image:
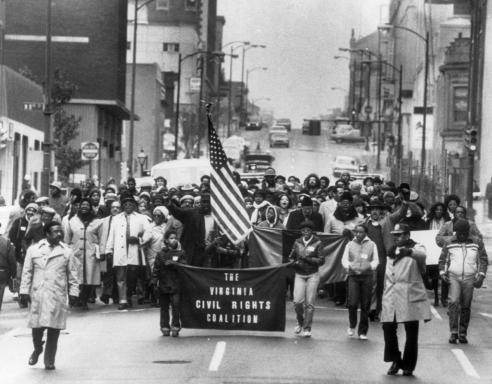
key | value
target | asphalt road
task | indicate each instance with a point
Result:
(104, 345)
(308, 154)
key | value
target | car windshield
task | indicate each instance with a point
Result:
(345, 162)
(279, 136)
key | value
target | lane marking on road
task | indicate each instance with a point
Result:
(217, 356)
(465, 363)
(435, 313)
(485, 314)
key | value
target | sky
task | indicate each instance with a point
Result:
(301, 36)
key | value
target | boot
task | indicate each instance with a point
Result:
(33, 360)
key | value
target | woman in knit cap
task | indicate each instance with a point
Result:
(83, 236)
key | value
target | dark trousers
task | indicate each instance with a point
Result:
(127, 279)
(4, 280)
(341, 292)
(109, 280)
(85, 292)
(359, 292)
(170, 300)
(490, 208)
(444, 291)
(51, 343)
(392, 352)
(2, 290)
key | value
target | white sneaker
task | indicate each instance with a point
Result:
(297, 329)
(363, 337)
(306, 333)
(350, 332)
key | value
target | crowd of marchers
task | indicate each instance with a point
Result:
(121, 243)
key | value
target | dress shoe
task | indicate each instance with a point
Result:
(104, 299)
(91, 300)
(407, 372)
(165, 331)
(453, 338)
(33, 359)
(122, 306)
(462, 339)
(395, 367)
(49, 367)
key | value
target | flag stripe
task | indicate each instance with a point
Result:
(226, 225)
(231, 214)
(241, 214)
(230, 184)
(228, 208)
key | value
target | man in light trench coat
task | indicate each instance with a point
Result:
(404, 300)
(49, 273)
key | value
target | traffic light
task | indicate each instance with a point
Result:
(471, 139)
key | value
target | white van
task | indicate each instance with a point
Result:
(180, 172)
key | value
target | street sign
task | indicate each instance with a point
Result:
(90, 150)
(195, 83)
(32, 106)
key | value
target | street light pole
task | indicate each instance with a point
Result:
(132, 99)
(424, 117)
(248, 71)
(180, 60)
(132, 96)
(176, 121)
(426, 75)
(47, 108)
(400, 101)
(241, 113)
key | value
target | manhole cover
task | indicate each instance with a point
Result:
(171, 362)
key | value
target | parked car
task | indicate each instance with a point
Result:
(284, 122)
(257, 162)
(345, 164)
(347, 134)
(279, 138)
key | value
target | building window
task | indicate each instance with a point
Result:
(170, 47)
(460, 104)
(36, 145)
(128, 45)
(191, 5)
(162, 5)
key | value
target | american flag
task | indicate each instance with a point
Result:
(228, 209)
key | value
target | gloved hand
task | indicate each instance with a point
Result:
(133, 240)
(102, 257)
(444, 278)
(405, 252)
(24, 299)
(478, 281)
(11, 285)
(72, 300)
(348, 234)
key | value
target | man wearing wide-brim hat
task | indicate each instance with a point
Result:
(129, 231)
(404, 300)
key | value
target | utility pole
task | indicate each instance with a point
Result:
(47, 107)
